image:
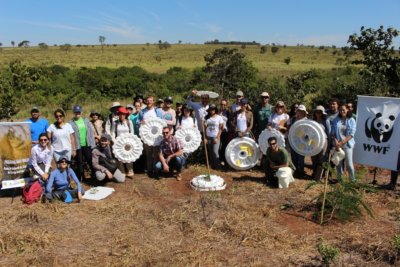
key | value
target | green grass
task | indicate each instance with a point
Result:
(187, 56)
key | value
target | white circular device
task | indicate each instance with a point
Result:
(209, 93)
(190, 137)
(242, 153)
(127, 148)
(266, 134)
(206, 183)
(307, 137)
(151, 131)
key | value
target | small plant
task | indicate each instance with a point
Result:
(329, 253)
(287, 60)
(396, 242)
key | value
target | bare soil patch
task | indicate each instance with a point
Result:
(149, 222)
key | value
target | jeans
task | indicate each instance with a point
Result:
(176, 163)
(349, 163)
(298, 161)
(84, 153)
(213, 154)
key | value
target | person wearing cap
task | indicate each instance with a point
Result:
(200, 108)
(214, 125)
(59, 184)
(97, 125)
(319, 115)
(279, 118)
(61, 135)
(84, 141)
(342, 133)
(123, 126)
(236, 106)
(112, 117)
(242, 119)
(150, 152)
(37, 125)
(104, 162)
(130, 108)
(262, 113)
(171, 154)
(168, 113)
(298, 160)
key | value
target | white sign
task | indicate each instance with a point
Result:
(378, 129)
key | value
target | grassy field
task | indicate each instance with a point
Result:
(153, 59)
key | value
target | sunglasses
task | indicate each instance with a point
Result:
(165, 133)
(272, 144)
(58, 116)
(280, 106)
(265, 97)
(64, 162)
(44, 140)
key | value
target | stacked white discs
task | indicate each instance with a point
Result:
(190, 137)
(265, 135)
(127, 148)
(242, 153)
(307, 137)
(205, 183)
(151, 131)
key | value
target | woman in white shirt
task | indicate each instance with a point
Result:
(279, 119)
(62, 137)
(120, 127)
(214, 124)
(41, 156)
(187, 119)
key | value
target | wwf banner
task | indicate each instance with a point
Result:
(378, 130)
(15, 149)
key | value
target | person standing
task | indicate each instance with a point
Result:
(97, 125)
(171, 154)
(151, 152)
(215, 124)
(225, 115)
(168, 113)
(319, 115)
(236, 106)
(242, 119)
(262, 113)
(62, 137)
(298, 160)
(85, 141)
(123, 126)
(200, 108)
(343, 130)
(38, 125)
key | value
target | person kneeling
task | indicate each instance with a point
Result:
(278, 167)
(104, 163)
(59, 184)
(171, 154)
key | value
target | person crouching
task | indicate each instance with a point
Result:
(171, 154)
(59, 184)
(104, 163)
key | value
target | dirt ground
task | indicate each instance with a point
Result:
(149, 222)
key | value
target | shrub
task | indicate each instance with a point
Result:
(329, 253)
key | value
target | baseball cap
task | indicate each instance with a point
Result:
(34, 110)
(105, 136)
(77, 108)
(239, 93)
(168, 99)
(244, 101)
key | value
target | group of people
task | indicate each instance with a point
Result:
(89, 140)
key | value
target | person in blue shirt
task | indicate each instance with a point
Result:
(59, 184)
(38, 125)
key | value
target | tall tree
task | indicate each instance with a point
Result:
(24, 43)
(13, 43)
(381, 64)
(229, 71)
(102, 40)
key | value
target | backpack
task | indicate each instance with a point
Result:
(32, 193)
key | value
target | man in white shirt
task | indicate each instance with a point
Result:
(200, 108)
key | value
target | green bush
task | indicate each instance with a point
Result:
(329, 253)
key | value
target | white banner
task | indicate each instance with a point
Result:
(377, 135)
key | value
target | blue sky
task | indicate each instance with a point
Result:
(316, 22)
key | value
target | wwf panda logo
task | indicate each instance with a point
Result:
(380, 128)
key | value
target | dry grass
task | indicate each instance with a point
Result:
(148, 222)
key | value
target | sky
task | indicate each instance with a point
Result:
(290, 22)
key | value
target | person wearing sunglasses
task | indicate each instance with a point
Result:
(40, 160)
(61, 135)
(59, 185)
(276, 158)
(171, 154)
